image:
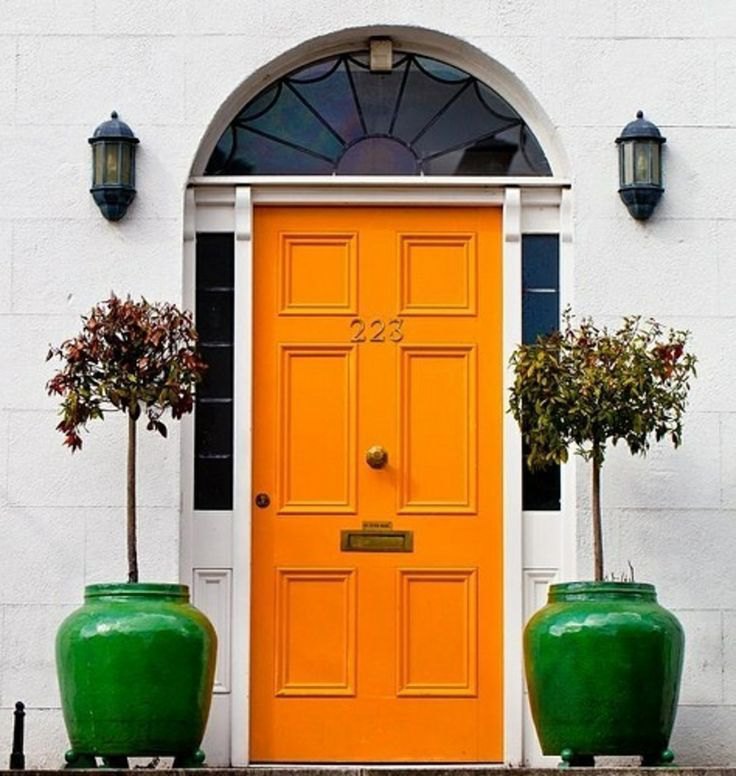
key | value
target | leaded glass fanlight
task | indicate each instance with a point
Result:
(424, 117)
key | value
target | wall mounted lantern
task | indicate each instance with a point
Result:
(113, 167)
(640, 166)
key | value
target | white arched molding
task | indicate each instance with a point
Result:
(429, 43)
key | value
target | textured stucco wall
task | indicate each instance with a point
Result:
(167, 66)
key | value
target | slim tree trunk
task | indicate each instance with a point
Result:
(597, 530)
(132, 548)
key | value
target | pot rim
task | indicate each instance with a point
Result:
(137, 589)
(569, 590)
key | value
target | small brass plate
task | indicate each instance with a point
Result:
(377, 525)
(377, 541)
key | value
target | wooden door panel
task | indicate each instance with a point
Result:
(438, 626)
(317, 422)
(318, 274)
(438, 458)
(438, 274)
(315, 626)
(377, 327)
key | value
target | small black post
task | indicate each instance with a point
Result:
(17, 758)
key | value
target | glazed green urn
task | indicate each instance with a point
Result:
(603, 663)
(136, 667)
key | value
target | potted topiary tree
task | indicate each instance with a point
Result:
(136, 662)
(603, 659)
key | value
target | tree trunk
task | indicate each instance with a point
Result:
(597, 530)
(132, 542)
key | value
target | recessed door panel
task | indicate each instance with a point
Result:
(438, 274)
(318, 274)
(377, 556)
(438, 626)
(317, 429)
(438, 429)
(315, 613)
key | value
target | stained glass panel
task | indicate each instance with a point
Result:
(372, 155)
(378, 95)
(258, 155)
(335, 116)
(335, 102)
(445, 132)
(424, 99)
(291, 122)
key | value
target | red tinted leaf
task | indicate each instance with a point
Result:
(73, 441)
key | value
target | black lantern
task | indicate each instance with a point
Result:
(113, 167)
(640, 166)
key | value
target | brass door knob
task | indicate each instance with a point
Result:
(376, 457)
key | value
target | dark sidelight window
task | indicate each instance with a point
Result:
(540, 258)
(337, 117)
(213, 419)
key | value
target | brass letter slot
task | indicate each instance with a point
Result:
(377, 541)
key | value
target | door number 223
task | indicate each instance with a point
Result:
(377, 330)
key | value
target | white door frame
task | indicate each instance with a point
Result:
(216, 546)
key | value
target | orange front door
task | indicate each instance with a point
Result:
(377, 590)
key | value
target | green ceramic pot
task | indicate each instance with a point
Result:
(603, 664)
(136, 666)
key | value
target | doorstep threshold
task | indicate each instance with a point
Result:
(455, 769)
(452, 770)
(384, 767)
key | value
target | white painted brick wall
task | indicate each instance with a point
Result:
(702, 683)
(167, 66)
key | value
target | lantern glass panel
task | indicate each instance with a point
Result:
(627, 164)
(98, 156)
(112, 163)
(126, 153)
(656, 166)
(642, 161)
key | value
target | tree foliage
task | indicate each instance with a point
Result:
(130, 357)
(585, 387)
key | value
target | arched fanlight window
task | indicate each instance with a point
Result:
(336, 116)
